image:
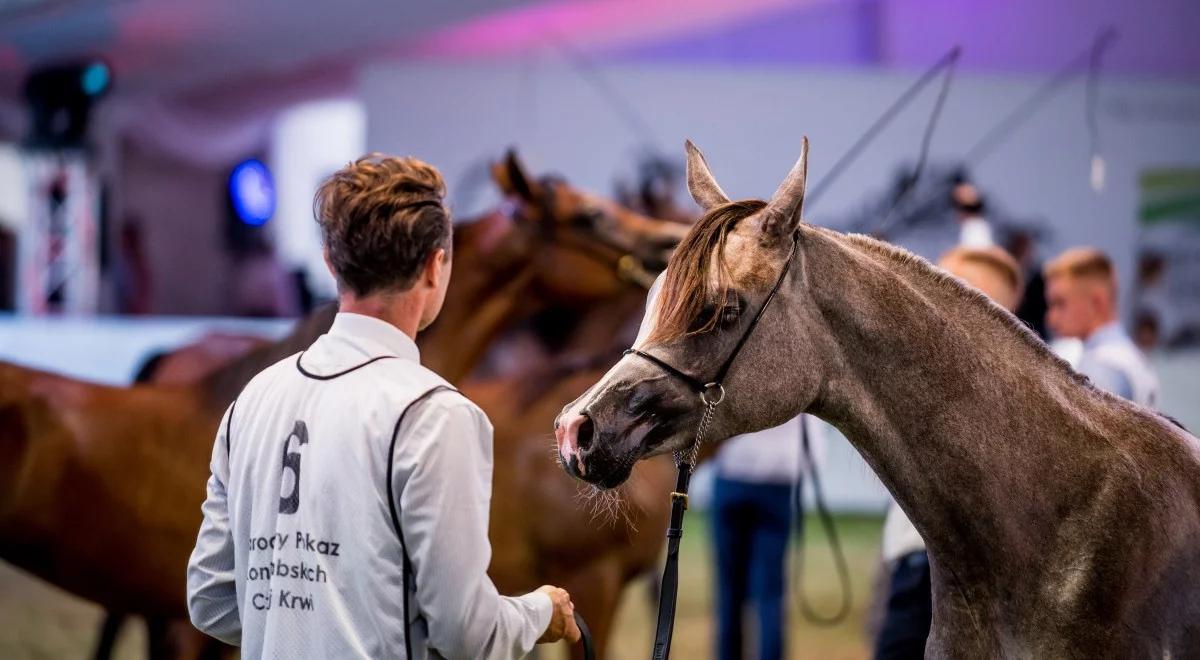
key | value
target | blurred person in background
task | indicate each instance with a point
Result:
(1081, 296)
(134, 282)
(1157, 319)
(974, 231)
(262, 287)
(755, 498)
(909, 606)
(1032, 308)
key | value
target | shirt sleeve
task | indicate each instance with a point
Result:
(444, 509)
(211, 590)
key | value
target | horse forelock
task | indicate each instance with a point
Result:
(698, 272)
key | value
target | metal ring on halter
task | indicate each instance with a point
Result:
(720, 391)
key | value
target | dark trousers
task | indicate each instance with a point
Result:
(750, 523)
(909, 611)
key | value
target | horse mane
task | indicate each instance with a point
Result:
(684, 291)
(223, 385)
(924, 271)
(686, 284)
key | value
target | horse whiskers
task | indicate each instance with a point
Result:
(612, 506)
(609, 506)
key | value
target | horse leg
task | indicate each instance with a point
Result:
(109, 629)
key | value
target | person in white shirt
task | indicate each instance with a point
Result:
(1081, 298)
(909, 608)
(974, 229)
(347, 509)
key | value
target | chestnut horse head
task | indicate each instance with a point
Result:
(591, 247)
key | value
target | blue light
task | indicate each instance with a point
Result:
(252, 191)
(96, 78)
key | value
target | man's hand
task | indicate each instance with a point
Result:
(562, 622)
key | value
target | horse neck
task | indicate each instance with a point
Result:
(974, 428)
(487, 293)
(224, 384)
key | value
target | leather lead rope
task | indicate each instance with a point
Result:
(685, 463)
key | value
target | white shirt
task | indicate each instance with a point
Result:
(975, 232)
(769, 456)
(1114, 363)
(899, 536)
(298, 557)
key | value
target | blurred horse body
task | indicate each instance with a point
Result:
(71, 514)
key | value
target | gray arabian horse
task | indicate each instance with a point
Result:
(1061, 522)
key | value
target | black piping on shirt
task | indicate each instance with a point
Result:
(309, 374)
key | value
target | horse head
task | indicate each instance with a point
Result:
(588, 248)
(731, 309)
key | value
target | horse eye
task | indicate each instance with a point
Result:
(703, 319)
(730, 313)
(732, 308)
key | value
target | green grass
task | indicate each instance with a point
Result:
(43, 622)
(695, 629)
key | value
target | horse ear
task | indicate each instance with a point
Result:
(523, 185)
(783, 212)
(700, 180)
(509, 175)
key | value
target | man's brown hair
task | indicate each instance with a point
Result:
(381, 217)
(1084, 263)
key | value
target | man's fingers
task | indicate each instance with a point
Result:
(572, 632)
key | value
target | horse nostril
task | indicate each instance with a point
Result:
(583, 437)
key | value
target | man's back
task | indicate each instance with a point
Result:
(317, 472)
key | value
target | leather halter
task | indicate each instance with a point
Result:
(711, 395)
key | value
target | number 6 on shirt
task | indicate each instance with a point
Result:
(289, 502)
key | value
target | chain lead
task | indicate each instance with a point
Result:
(694, 450)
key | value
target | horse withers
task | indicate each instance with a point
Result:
(1061, 522)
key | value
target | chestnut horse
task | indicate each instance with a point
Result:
(1061, 521)
(67, 448)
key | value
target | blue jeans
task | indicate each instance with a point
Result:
(750, 523)
(909, 610)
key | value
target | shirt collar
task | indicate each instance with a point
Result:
(358, 327)
(1105, 334)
